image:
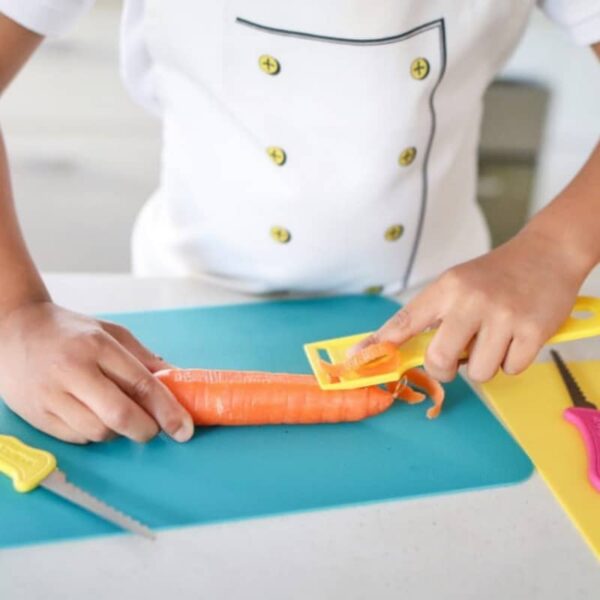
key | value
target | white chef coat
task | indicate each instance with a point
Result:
(316, 145)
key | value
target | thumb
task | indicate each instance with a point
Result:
(417, 315)
(151, 361)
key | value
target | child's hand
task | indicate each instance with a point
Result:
(503, 306)
(84, 380)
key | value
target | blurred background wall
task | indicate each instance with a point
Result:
(84, 157)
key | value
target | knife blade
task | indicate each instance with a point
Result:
(31, 467)
(586, 418)
(577, 396)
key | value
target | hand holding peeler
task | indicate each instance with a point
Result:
(412, 352)
(585, 416)
(29, 468)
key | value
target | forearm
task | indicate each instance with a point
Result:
(20, 281)
(572, 219)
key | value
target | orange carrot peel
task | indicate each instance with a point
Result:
(432, 388)
(401, 391)
(381, 358)
(375, 359)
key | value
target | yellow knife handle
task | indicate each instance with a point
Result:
(26, 466)
(584, 325)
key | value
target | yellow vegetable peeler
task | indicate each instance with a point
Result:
(584, 322)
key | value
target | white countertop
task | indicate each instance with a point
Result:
(511, 542)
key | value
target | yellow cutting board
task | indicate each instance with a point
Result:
(531, 406)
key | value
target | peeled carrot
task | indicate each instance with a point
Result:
(216, 397)
(257, 398)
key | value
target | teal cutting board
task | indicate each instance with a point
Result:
(239, 473)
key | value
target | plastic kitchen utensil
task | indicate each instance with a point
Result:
(583, 322)
(532, 405)
(585, 416)
(29, 468)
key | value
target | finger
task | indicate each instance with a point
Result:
(53, 425)
(151, 361)
(416, 316)
(112, 405)
(80, 418)
(138, 383)
(521, 353)
(451, 340)
(488, 351)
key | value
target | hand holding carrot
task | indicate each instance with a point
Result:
(84, 380)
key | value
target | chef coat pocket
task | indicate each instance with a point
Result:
(279, 78)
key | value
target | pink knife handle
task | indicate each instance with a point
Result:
(587, 420)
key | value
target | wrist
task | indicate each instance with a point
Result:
(26, 295)
(572, 241)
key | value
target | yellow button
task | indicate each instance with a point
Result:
(269, 64)
(407, 156)
(281, 235)
(419, 68)
(374, 290)
(394, 233)
(277, 155)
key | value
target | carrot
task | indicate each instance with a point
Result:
(373, 360)
(256, 398)
(431, 387)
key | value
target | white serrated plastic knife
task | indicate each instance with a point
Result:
(29, 468)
